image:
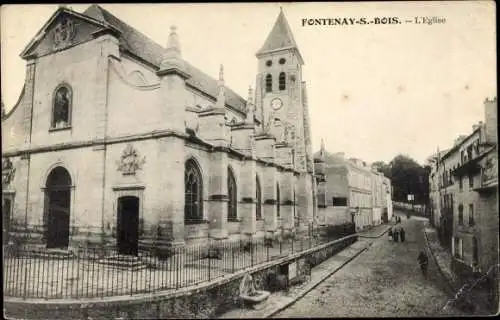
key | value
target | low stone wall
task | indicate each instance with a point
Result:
(204, 301)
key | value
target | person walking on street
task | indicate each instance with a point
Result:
(402, 234)
(424, 262)
(395, 235)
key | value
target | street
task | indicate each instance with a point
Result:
(384, 281)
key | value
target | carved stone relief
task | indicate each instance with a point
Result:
(130, 161)
(8, 171)
(64, 33)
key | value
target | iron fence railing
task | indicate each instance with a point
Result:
(32, 273)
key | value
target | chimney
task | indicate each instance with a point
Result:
(490, 116)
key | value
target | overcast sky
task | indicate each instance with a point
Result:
(374, 90)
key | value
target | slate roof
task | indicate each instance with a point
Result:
(280, 36)
(143, 47)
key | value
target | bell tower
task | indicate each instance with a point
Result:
(280, 90)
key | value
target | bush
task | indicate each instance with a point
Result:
(339, 231)
(163, 253)
(277, 282)
(214, 253)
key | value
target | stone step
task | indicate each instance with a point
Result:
(123, 262)
(59, 254)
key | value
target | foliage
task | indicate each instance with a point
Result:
(338, 231)
(276, 281)
(407, 177)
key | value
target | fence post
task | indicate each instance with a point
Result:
(209, 261)
(176, 263)
(25, 281)
(267, 249)
(251, 253)
(131, 281)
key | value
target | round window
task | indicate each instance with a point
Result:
(269, 63)
(282, 61)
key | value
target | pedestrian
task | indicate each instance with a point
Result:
(402, 234)
(423, 262)
(395, 235)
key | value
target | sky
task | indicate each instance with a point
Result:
(374, 91)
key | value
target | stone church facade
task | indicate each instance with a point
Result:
(118, 140)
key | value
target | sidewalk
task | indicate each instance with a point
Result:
(280, 300)
(443, 260)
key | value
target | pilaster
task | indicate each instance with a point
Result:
(170, 190)
(305, 200)
(270, 201)
(29, 90)
(218, 195)
(287, 201)
(248, 199)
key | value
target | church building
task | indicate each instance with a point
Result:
(118, 140)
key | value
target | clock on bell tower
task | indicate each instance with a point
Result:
(279, 87)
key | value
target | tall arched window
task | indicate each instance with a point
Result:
(258, 197)
(277, 200)
(269, 83)
(193, 193)
(232, 205)
(61, 109)
(282, 81)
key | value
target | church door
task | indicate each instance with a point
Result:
(57, 208)
(128, 225)
(6, 215)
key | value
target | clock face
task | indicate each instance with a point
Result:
(276, 104)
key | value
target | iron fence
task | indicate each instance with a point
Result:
(32, 273)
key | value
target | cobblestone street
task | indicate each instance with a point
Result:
(384, 281)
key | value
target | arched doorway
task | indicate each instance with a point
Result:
(128, 225)
(57, 208)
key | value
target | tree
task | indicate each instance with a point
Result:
(407, 177)
(381, 166)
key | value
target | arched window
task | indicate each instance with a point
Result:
(258, 197)
(232, 205)
(193, 193)
(282, 81)
(269, 83)
(61, 109)
(277, 200)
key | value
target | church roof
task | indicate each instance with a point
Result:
(146, 49)
(280, 37)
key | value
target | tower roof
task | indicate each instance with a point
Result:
(280, 37)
